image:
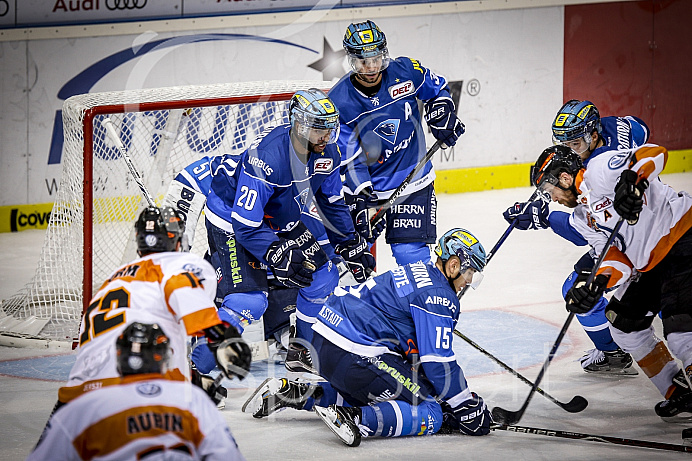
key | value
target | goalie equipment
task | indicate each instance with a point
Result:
(158, 229)
(142, 348)
(342, 421)
(613, 363)
(365, 41)
(276, 394)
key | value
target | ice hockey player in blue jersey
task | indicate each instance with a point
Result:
(382, 139)
(386, 347)
(579, 126)
(253, 217)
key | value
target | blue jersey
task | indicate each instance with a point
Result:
(197, 175)
(409, 310)
(618, 133)
(382, 137)
(270, 189)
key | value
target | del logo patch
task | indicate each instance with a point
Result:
(401, 89)
(323, 165)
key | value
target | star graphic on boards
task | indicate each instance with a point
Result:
(331, 62)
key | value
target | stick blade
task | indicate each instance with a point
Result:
(502, 416)
(577, 404)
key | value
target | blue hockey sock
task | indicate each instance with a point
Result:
(396, 418)
(242, 309)
(326, 397)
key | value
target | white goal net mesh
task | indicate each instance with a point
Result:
(90, 232)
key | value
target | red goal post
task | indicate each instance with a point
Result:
(90, 232)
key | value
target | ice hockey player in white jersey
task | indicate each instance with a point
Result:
(385, 347)
(579, 126)
(165, 286)
(147, 415)
(650, 261)
(382, 139)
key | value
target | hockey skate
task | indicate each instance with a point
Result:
(678, 408)
(275, 394)
(342, 421)
(612, 363)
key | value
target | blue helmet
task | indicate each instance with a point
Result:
(364, 40)
(574, 120)
(462, 243)
(313, 109)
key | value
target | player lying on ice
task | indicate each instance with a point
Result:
(385, 350)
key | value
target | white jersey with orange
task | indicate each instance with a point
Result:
(146, 417)
(666, 215)
(174, 290)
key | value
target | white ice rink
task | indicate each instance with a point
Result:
(516, 314)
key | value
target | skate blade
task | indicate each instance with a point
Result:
(683, 417)
(631, 371)
(304, 377)
(254, 403)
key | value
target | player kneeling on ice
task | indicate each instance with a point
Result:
(148, 414)
(385, 348)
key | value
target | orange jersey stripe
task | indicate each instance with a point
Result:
(666, 243)
(142, 271)
(198, 321)
(68, 393)
(134, 423)
(656, 360)
(645, 158)
(184, 279)
(615, 255)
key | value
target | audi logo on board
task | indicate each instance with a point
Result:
(125, 4)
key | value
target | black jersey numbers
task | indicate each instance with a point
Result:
(97, 319)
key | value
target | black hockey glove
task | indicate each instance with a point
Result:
(359, 205)
(213, 389)
(580, 298)
(289, 264)
(232, 353)
(533, 215)
(443, 121)
(360, 261)
(629, 199)
(472, 417)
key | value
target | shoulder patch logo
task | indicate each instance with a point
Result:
(388, 129)
(401, 89)
(616, 161)
(148, 389)
(323, 165)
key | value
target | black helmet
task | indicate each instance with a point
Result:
(142, 348)
(553, 161)
(158, 229)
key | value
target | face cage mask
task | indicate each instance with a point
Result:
(357, 63)
(472, 277)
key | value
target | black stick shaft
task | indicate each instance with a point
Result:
(379, 214)
(592, 438)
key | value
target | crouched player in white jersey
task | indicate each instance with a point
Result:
(163, 286)
(145, 416)
(651, 259)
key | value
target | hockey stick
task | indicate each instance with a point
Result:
(503, 416)
(592, 438)
(577, 404)
(379, 214)
(502, 239)
(110, 129)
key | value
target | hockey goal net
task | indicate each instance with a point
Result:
(90, 232)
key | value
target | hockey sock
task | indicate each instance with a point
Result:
(241, 309)
(396, 418)
(323, 397)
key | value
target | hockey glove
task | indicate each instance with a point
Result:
(232, 353)
(443, 121)
(213, 389)
(580, 298)
(629, 199)
(471, 417)
(359, 206)
(355, 253)
(289, 264)
(533, 215)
